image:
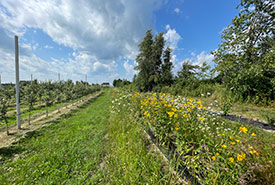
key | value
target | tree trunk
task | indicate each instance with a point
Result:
(29, 117)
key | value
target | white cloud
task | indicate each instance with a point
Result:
(129, 68)
(35, 46)
(177, 10)
(251, 8)
(172, 37)
(200, 58)
(203, 57)
(107, 30)
(75, 69)
(48, 47)
(99, 31)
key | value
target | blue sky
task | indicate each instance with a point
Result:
(99, 38)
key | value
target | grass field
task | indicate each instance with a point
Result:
(68, 151)
(88, 146)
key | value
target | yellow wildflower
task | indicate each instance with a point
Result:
(171, 114)
(193, 106)
(230, 137)
(253, 134)
(217, 154)
(169, 105)
(232, 143)
(201, 118)
(240, 157)
(176, 115)
(189, 110)
(243, 129)
(173, 109)
(231, 159)
(238, 141)
(222, 134)
(224, 146)
(177, 128)
(213, 157)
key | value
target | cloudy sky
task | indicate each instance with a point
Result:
(99, 38)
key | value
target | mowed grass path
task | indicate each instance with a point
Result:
(69, 151)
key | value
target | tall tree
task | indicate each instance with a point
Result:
(166, 68)
(143, 60)
(149, 61)
(158, 46)
(240, 57)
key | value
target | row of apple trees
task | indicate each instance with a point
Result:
(43, 94)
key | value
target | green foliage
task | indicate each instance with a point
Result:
(193, 80)
(153, 63)
(120, 83)
(144, 61)
(226, 105)
(4, 103)
(30, 96)
(270, 119)
(245, 58)
(166, 68)
(34, 97)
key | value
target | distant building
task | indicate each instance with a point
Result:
(106, 84)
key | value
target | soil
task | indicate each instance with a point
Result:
(16, 134)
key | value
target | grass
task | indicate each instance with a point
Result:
(90, 146)
(131, 159)
(68, 151)
(244, 109)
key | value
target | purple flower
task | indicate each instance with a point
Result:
(242, 181)
(203, 146)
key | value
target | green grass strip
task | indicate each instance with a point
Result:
(69, 151)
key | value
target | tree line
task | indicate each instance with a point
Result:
(44, 93)
(245, 59)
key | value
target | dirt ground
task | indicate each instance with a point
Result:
(39, 122)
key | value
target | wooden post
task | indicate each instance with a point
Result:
(17, 81)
